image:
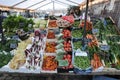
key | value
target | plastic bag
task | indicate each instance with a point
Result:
(60, 41)
(59, 36)
(59, 46)
(60, 51)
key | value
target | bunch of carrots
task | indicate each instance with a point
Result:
(88, 25)
(49, 63)
(96, 62)
(94, 41)
(50, 47)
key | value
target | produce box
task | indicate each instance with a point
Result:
(52, 24)
(49, 64)
(81, 62)
(76, 24)
(65, 63)
(50, 48)
(66, 33)
(77, 33)
(76, 44)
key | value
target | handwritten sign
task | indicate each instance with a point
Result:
(15, 37)
(105, 47)
(21, 25)
(80, 53)
(95, 31)
(87, 40)
(13, 45)
(30, 25)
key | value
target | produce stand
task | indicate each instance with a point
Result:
(62, 70)
(64, 48)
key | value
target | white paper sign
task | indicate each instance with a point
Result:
(95, 31)
(80, 53)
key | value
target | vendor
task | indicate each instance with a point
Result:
(1, 29)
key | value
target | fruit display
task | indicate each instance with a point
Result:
(51, 35)
(77, 33)
(66, 33)
(49, 63)
(52, 24)
(50, 47)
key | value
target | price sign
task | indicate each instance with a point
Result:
(13, 45)
(87, 40)
(105, 47)
(80, 53)
(95, 31)
(15, 37)
(21, 25)
(30, 25)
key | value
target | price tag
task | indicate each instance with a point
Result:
(30, 25)
(13, 45)
(87, 40)
(80, 53)
(21, 25)
(95, 31)
(15, 37)
(105, 47)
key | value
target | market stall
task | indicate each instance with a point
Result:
(63, 46)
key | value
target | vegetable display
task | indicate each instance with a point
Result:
(88, 25)
(82, 62)
(67, 45)
(5, 58)
(68, 57)
(77, 45)
(50, 47)
(76, 33)
(96, 62)
(49, 63)
(66, 33)
(52, 24)
(51, 35)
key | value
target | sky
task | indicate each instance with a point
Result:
(44, 5)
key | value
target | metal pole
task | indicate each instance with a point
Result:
(43, 5)
(36, 4)
(84, 32)
(18, 3)
(53, 8)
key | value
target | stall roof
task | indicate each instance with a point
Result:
(40, 4)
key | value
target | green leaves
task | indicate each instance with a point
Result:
(12, 23)
(5, 58)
